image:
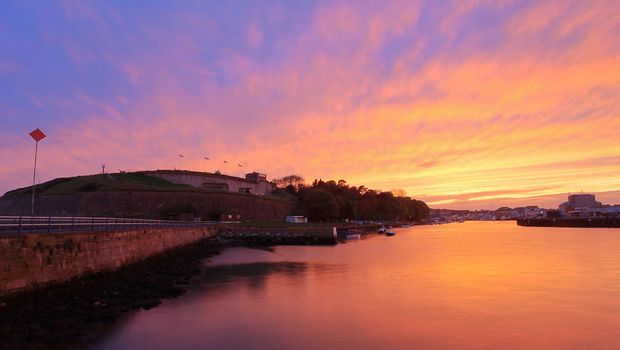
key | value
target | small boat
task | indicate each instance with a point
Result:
(381, 230)
(389, 233)
(354, 234)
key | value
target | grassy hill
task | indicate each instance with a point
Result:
(102, 182)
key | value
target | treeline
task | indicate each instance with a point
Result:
(331, 201)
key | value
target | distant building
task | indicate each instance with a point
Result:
(578, 205)
(253, 183)
(532, 211)
(586, 206)
(295, 219)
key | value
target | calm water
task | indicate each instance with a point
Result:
(460, 286)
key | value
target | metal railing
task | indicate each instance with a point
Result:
(65, 224)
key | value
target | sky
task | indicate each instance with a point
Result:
(464, 104)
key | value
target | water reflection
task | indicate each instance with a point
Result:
(252, 275)
(465, 286)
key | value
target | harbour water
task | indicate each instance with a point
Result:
(476, 285)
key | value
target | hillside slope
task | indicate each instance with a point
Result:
(135, 195)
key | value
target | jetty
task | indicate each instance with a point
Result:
(38, 251)
(570, 222)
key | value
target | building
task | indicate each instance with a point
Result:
(579, 205)
(296, 219)
(253, 183)
(585, 206)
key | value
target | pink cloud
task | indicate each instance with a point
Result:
(513, 122)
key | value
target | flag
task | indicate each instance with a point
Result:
(37, 134)
(182, 156)
(206, 158)
(226, 162)
(240, 166)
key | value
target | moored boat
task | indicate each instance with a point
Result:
(354, 234)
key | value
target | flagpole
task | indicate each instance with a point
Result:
(34, 174)
(37, 135)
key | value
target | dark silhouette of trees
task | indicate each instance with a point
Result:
(331, 200)
(320, 205)
(290, 180)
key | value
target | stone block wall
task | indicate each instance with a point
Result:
(28, 261)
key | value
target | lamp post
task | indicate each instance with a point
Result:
(37, 135)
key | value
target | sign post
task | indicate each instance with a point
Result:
(37, 135)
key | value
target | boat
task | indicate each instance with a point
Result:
(381, 230)
(389, 233)
(354, 234)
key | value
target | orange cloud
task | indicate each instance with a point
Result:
(524, 108)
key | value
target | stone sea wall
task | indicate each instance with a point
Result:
(32, 260)
(29, 261)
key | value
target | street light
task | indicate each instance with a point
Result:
(37, 135)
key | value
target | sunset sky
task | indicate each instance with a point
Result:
(463, 104)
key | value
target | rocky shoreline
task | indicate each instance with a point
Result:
(66, 315)
(61, 316)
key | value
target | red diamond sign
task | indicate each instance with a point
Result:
(37, 134)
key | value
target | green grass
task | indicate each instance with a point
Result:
(141, 179)
(102, 182)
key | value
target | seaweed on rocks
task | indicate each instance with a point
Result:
(60, 316)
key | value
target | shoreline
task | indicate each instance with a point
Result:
(67, 314)
(64, 315)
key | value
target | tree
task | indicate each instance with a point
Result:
(295, 181)
(321, 205)
(331, 200)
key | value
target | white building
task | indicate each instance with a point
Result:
(586, 206)
(296, 219)
(253, 183)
